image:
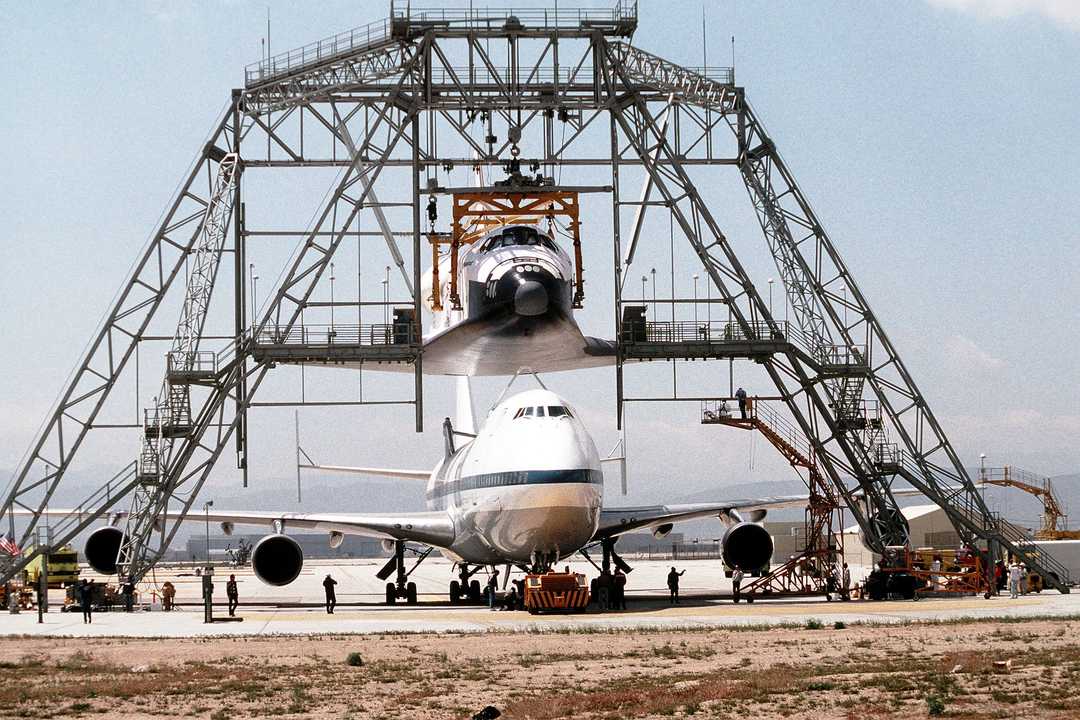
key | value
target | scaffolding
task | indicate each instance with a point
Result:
(394, 107)
(818, 568)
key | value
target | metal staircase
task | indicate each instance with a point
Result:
(816, 569)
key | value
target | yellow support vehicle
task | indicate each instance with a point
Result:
(556, 592)
(63, 568)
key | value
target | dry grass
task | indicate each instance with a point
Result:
(858, 672)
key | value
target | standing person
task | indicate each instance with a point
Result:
(673, 585)
(935, 568)
(168, 592)
(331, 596)
(845, 582)
(492, 588)
(620, 589)
(736, 582)
(740, 395)
(128, 591)
(233, 595)
(1014, 580)
(85, 600)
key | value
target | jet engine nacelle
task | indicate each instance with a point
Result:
(747, 546)
(102, 549)
(662, 531)
(277, 559)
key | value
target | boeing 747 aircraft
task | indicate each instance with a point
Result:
(525, 489)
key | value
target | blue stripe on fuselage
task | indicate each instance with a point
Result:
(516, 477)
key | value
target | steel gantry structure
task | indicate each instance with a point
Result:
(424, 92)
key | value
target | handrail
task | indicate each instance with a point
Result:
(382, 31)
(376, 334)
(343, 43)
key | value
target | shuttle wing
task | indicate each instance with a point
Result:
(431, 528)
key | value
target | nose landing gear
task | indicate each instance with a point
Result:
(463, 590)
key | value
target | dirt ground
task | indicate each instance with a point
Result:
(818, 671)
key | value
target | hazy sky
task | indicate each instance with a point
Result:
(937, 142)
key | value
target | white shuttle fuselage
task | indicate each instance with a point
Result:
(516, 309)
(529, 483)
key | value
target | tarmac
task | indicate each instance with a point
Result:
(297, 608)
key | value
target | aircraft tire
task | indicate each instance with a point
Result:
(391, 594)
(475, 595)
(410, 593)
(455, 592)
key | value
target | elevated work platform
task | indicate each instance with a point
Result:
(643, 339)
(338, 344)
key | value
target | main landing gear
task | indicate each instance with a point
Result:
(401, 588)
(463, 590)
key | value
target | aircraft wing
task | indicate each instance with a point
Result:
(431, 528)
(616, 521)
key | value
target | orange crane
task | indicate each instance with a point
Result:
(1053, 516)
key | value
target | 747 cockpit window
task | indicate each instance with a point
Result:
(549, 410)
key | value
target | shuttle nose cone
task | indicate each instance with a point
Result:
(530, 298)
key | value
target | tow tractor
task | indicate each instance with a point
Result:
(556, 592)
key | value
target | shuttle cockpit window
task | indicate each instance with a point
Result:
(520, 236)
(558, 411)
(525, 412)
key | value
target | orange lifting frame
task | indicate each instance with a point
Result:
(476, 213)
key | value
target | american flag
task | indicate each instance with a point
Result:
(8, 546)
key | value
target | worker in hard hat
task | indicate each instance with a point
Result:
(1015, 573)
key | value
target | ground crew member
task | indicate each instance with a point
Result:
(520, 585)
(736, 581)
(604, 589)
(740, 395)
(233, 595)
(620, 589)
(511, 599)
(492, 588)
(673, 585)
(128, 591)
(1015, 572)
(85, 595)
(168, 592)
(331, 596)
(845, 582)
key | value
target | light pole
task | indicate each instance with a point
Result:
(770, 296)
(643, 281)
(251, 282)
(652, 274)
(332, 278)
(982, 467)
(695, 299)
(206, 509)
(386, 297)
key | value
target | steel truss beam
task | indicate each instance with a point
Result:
(823, 295)
(114, 343)
(430, 96)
